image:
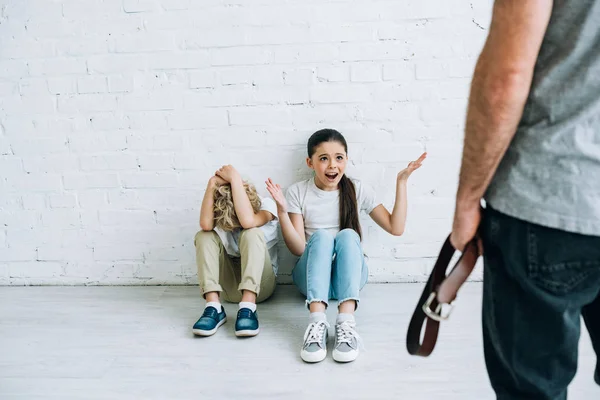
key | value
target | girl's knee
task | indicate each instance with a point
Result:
(347, 235)
(321, 235)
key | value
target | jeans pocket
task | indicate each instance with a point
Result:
(562, 262)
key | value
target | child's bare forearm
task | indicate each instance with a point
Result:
(293, 240)
(207, 216)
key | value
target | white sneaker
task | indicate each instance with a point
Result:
(347, 341)
(314, 348)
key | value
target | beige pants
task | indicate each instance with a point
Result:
(219, 272)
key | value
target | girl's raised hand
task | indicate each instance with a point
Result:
(277, 195)
(412, 167)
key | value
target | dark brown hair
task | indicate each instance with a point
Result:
(348, 205)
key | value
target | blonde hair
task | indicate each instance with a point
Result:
(224, 211)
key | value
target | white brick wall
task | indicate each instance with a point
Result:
(115, 112)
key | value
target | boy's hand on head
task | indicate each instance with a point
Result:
(228, 173)
(277, 194)
(216, 181)
(412, 167)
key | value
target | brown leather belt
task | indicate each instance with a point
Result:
(435, 302)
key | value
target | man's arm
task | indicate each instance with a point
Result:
(499, 90)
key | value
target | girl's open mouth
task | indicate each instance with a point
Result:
(331, 177)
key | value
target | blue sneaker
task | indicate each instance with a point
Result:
(246, 323)
(209, 322)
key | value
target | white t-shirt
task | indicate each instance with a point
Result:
(321, 209)
(231, 239)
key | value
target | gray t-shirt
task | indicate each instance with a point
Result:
(550, 174)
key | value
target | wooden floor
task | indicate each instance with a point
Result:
(135, 343)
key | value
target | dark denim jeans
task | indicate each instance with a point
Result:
(538, 282)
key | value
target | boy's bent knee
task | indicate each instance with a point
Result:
(252, 234)
(205, 236)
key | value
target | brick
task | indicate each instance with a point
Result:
(339, 73)
(398, 71)
(202, 79)
(57, 66)
(13, 68)
(18, 219)
(65, 218)
(9, 89)
(81, 46)
(146, 180)
(92, 84)
(240, 56)
(92, 199)
(170, 142)
(178, 61)
(90, 181)
(306, 53)
(156, 162)
(210, 118)
(18, 253)
(29, 104)
(336, 93)
(62, 85)
(131, 218)
(365, 72)
(375, 51)
(108, 162)
(87, 102)
(152, 102)
(32, 269)
(63, 201)
(34, 201)
(145, 42)
(135, 6)
(116, 63)
(11, 165)
(35, 182)
(120, 84)
(68, 253)
(109, 141)
(298, 76)
(110, 121)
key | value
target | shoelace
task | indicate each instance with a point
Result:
(314, 332)
(345, 332)
(244, 313)
(210, 312)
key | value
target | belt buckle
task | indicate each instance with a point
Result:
(442, 311)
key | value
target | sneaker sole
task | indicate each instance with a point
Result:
(344, 357)
(199, 332)
(247, 333)
(313, 357)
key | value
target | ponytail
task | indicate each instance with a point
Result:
(348, 206)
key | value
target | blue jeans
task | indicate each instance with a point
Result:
(331, 267)
(538, 283)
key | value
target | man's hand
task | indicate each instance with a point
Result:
(466, 223)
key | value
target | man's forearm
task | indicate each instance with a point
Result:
(499, 91)
(495, 109)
